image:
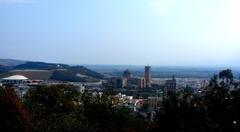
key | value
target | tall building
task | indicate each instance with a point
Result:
(127, 74)
(170, 86)
(148, 76)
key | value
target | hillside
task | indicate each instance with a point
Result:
(8, 64)
(68, 75)
(51, 71)
(4, 69)
(11, 62)
(40, 66)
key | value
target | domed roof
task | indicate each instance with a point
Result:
(16, 77)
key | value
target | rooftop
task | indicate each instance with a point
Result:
(15, 77)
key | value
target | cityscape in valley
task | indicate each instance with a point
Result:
(119, 66)
(40, 73)
(143, 95)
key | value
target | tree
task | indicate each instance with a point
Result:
(13, 114)
(217, 101)
(61, 108)
(226, 76)
(214, 80)
(54, 108)
(216, 110)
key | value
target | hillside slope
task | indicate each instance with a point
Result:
(51, 71)
(11, 62)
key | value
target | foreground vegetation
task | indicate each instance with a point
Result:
(61, 108)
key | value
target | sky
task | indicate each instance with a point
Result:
(132, 32)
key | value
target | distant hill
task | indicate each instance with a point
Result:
(68, 75)
(51, 71)
(8, 64)
(40, 66)
(85, 71)
(4, 69)
(11, 62)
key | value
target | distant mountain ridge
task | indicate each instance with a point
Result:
(40, 66)
(48, 71)
(4, 69)
(11, 62)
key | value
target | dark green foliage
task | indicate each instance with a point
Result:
(14, 117)
(60, 108)
(55, 108)
(214, 111)
(64, 75)
(226, 76)
(214, 81)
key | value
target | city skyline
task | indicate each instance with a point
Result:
(135, 32)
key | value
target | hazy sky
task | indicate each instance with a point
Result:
(155, 32)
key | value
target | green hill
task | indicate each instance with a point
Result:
(71, 76)
(51, 71)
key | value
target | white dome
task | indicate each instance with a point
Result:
(16, 77)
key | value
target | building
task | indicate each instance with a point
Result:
(170, 86)
(141, 83)
(123, 100)
(120, 82)
(18, 82)
(128, 81)
(136, 83)
(15, 79)
(127, 74)
(154, 102)
(117, 82)
(148, 76)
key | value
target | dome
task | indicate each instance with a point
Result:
(15, 77)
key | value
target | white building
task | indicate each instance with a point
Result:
(15, 79)
(18, 82)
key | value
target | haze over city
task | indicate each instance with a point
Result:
(135, 32)
(119, 65)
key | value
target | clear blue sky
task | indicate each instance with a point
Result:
(136, 32)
